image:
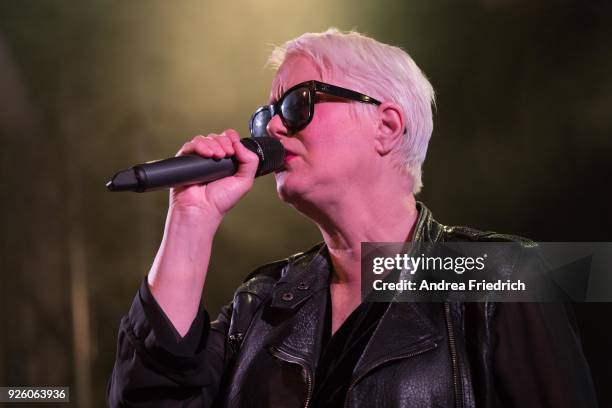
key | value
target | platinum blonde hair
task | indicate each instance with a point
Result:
(382, 71)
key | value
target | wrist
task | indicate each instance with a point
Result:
(193, 218)
(188, 237)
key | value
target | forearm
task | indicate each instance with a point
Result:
(178, 274)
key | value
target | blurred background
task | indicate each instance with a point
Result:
(522, 144)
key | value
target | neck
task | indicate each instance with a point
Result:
(345, 222)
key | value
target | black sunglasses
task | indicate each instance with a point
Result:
(296, 106)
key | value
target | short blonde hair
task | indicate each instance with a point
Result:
(382, 71)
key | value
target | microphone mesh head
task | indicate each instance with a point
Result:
(270, 151)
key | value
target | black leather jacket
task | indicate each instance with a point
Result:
(263, 348)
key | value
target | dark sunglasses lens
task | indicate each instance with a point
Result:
(296, 108)
(259, 122)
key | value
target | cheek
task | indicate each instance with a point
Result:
(336, 136)
(337, 153)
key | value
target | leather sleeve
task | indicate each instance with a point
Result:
(155, 367)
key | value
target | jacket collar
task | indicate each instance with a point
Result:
(427, 229)
(308, 272)
(304, 275)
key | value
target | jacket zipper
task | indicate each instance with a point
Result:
(430, 347)
(283, 355)
(454, 359)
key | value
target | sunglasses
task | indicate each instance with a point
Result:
(296, 106)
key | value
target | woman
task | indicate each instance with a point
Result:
(354, 116)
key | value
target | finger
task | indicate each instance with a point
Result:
(195, 145)
(203, 150)
(232, 134)
(187, 148)
(248, 161)
(226, 143)
(210, 144)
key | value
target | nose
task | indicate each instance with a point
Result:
(276, 127)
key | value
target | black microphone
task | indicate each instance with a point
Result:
(194, 169)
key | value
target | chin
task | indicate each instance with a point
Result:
(288, 188)
(286, 194)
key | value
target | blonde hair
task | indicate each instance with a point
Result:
(382, 71)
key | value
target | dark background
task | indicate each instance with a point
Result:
(521, 145)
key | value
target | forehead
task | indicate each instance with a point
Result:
(294, 70)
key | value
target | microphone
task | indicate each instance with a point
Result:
(194, 169)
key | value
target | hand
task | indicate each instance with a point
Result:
(218, 197)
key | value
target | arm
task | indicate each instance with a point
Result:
(168, 351)
(179, 271)
(157, 367)
(538, 359)
(537, 353)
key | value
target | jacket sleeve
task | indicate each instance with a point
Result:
(538, 359)
(155, 367)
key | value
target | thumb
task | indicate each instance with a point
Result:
(247, 160)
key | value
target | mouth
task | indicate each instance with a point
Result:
(289, 157)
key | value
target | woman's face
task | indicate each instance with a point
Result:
(328, 157)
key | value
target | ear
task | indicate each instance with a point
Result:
(391, 125)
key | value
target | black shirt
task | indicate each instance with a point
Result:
(341, 352)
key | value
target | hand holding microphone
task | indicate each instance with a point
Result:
(207, 177)
(178, 273)
(227, 163)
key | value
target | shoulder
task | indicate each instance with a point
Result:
(510, 249)
(429, 229)
(468, 234)
(508, 254)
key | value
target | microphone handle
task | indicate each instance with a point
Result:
(175, 172)
(195, 169)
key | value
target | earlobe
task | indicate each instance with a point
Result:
(391, 127)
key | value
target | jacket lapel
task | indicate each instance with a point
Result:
(403, 331)
(300, 299)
